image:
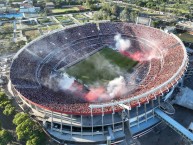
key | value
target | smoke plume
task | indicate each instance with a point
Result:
(116, 87)
(144, 53)
(122, 44)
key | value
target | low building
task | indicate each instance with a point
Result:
(16, 3)
(28, 1)
(27, 7)
(3, 10)
(2, 4)
(170, 29)
(29, 10)
(50, 5)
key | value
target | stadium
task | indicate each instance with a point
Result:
(98, 83)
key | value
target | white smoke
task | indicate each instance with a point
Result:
(152, 54)
(47, 81)
(121, 44)
(58, 82)
(147, 51)
(65, 82)
(116, 87)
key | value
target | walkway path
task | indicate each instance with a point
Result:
(54, 18)
(75, 20)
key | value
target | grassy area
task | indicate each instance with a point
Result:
(84, 20)
(31, 34)
(6, 43)
(118, 59)
(53, 27)
(178, 10)
(101, 67)
(79, 16)
(6, 35)
(65, 10)
(185, 37)
(8, 46)
(6, 28)
(63, 18)
(49, 28)
(26, 25)
(46, 21)
(68, 23)
(45, 29)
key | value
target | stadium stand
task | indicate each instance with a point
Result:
(34, 65)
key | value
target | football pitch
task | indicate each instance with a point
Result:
(101, 67)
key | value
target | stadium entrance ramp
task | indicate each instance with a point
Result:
(175, 125)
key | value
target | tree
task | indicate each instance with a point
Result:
(34, 2)
(19, 118)
(125, 14)
(141, 3)
(36, 139)
(106, 7)
(4, 103)
(133, 15)
(89, 4)
(156, 23)
(2, 96)
(163, 1)
(33, 141)
(27, 130)
(107, 12)
(188, 16)
(115, 10)
(21, 43)
(9, 109)
(98, 15)
(0, 125)
(5, 137)
(58, 3)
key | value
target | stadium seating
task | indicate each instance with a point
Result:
(33, 66)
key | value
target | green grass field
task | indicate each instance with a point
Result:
(65, 10)
(101, 67)
(185, 37)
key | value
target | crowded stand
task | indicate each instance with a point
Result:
(35, 63)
